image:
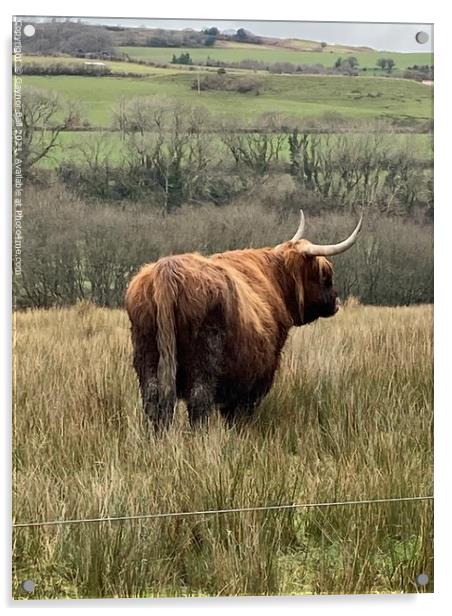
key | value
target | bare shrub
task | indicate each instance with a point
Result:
(255, 151)
(92, 172)
(229, 83)
(65, 68)
(80, 250)
(350, 169)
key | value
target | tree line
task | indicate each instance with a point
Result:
(169, 157)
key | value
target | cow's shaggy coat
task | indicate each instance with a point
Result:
(210, 330)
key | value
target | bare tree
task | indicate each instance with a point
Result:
(168, 147)
(44, 117)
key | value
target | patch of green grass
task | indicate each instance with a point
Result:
(272, 54)
(298, 96)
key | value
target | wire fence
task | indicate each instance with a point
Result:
(179, 514)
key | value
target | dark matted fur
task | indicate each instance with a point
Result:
(210, 330)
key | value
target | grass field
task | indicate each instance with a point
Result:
(295, 96)
(295, 44)
(271, 54)
(350, 417)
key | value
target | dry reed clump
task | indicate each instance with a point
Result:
(349, 417)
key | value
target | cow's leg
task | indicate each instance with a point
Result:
(150, 397)
(165, 411)
(145, 361)
(241, 405)
(236, 412)
(229, 413)
(205, 366)
(200, 402)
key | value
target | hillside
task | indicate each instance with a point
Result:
(238, 52)
(58, 34)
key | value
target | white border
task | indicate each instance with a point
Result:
(434, 11)
(328, 10)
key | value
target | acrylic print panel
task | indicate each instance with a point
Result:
(216, 422)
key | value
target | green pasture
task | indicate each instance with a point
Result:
(271, 54)
(296, 44)
(294, 96)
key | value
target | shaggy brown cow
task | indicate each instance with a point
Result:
(209, 330)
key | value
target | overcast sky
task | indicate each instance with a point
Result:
(379, 36)
(383, 36)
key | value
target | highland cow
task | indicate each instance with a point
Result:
(210, 330)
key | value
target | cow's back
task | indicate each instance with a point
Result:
(228, 313)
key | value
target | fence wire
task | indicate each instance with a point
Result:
(180, 514)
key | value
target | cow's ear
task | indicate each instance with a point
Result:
(323, 271)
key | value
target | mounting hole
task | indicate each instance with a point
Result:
(422, 37)
(29, 30)
(28, 586)
(422, 579)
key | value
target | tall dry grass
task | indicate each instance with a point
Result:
(350, 417)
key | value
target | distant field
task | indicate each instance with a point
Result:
(297, 44)
(296, 96)
(271, 54)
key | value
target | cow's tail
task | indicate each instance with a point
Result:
(165, 297)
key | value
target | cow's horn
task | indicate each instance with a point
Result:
(316, 250)
(299, 234)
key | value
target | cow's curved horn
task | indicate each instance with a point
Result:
(299, 234)
(316, 250)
